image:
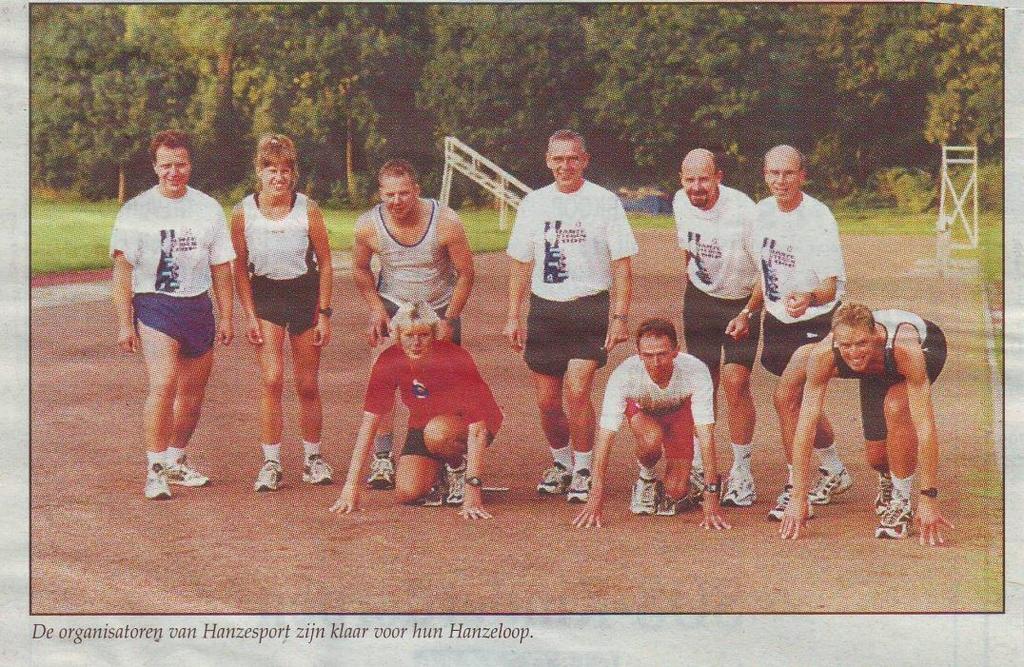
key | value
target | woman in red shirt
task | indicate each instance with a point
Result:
(452, 418)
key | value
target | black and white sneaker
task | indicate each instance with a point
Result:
(579, 487)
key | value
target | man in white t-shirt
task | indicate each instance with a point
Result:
(664, 395)
(802, 280)
(571, 242)
(714, 224)
(170, 246)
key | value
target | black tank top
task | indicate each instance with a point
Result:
(891, 320)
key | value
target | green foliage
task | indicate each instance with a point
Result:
(912, 190)
(860, 89)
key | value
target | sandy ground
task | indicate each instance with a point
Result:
(99, 547)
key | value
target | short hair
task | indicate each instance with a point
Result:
(169, 139)
(657, 326)
(410, 315)
(568, 135)
(854, 315)
(273, 149)
(801, 160)
(397, 169)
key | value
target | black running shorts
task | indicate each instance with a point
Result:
(782, 340)
(557, 331)
(705, 318)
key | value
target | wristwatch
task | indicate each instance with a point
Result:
(474, 481)
(624, 318)
(931, 492)
(327, 312)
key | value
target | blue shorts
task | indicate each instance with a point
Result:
(186, 319)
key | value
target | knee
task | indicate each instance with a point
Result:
(163, 388)
(677, 478)
(407, 494)
(550, 407)
(273, 382)
(308, 389)
(577, 396)
(736, 385)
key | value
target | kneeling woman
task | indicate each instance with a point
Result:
(452, 418)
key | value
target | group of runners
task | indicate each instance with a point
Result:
(571, 249)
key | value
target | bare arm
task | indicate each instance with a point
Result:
(590, 516)
(363, 250)
(910, 360)
(322, 249)
(241, 271)
(797, 303)
(348, 501)
(225, 301)
(127, 337)
(622, 296)
(820, 369)
(473, 503)
(518, 286)
(706, 436)
(453, 236)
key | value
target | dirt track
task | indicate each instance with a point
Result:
(99, 547)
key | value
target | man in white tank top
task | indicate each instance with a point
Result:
(424, 256)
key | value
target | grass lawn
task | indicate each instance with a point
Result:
(72, 236)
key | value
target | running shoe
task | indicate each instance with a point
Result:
(182, 474)
(739, 491)
(317, 471)
(646, 493)
(556, 480)
(269, 477)
(894, 523)
(579, 487)
(777, 512)
(156, 483)
(382, 473)
(456, 478)
(830, 485)
(884, 496)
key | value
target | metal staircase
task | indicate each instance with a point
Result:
(506, 188)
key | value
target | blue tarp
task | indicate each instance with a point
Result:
(649, 204)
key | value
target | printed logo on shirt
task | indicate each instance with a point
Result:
(419, 390)
(773, 257)
(167, 268)
(700, 253)
(554, 261)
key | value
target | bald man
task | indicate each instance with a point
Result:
(802, 279)
(714, 225)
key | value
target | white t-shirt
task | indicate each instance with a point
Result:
(718, 241)
(796, 251)
(630, 381)
(171, 243)
(571, 240)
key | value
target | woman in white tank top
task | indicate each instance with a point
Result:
(283, 273)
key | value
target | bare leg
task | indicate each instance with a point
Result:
(160, 352)
(445, 437)
(902, 439)
(415, 477)
(578, 382)
(649, 439)
(552, 417)
(271, 359)
(736, 383)
(188, 400)
(306, 361)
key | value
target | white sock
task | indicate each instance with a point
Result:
(563, 456)
(174, 454)
(311, 448)
(741, 457)
(581, 460)
(789, 467)
(698, 462)
(829, 457)
(155, 457)
(272, 452)
(901, 487)
(646, 473)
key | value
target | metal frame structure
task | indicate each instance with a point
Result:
(506, 188)
(952, 199)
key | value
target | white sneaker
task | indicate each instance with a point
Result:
(646, 493)
(884, 496)
(317, 471)
(182, 474)
(269, 477)
(695, 496)
(156, 483)
(556, 480)
(895, 521)
(739, 492)
(777, 512)
(829, 485)
(382, 473)
(579, 487)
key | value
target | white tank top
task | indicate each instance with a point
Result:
(419, 272)
(279, 249)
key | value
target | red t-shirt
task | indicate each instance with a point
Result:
(446, 381)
